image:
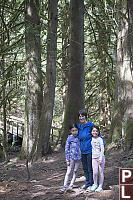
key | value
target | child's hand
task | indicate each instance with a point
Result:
(100, 162)
(68, 163)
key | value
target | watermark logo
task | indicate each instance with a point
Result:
(126, 183)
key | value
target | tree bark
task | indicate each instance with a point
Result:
(3, 83)
(34, 90)
(43, 146)
(75, 98)
(4, 112)
(122, 124)
(65, 52)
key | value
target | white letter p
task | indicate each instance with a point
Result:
(126, 174)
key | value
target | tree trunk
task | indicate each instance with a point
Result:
(4, 112)
(65, 52)
(43, 145)
(75, 98)
(122, 124)
(4, 81)
(34, 95)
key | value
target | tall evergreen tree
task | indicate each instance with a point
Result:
(75, 97)
(42, 146)
(11, 39)
(33, 101)
(122, 123)
(65, 28)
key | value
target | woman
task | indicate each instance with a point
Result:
(85, 137)
(86, 148)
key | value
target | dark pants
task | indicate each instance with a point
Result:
(87, 167)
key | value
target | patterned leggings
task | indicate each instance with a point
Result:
(96, 167)
(74, 165)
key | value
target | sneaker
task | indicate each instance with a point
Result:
(70, 187)
(88, 189)
(94, 187)
(64, 189)
(99, 189)
(84, 187)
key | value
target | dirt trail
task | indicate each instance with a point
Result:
(47, 179)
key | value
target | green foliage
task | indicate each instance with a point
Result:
(100, 37)
(11, 53)
(100, 50)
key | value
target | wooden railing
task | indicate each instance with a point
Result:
(15, 126)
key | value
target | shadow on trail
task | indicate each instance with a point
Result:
(47, 178)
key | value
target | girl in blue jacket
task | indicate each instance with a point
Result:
(73, 156)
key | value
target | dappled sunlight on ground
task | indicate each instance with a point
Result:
(47, 178)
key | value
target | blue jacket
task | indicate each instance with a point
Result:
(72, 148)
(85, 137)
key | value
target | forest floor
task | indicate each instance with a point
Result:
(47, 177)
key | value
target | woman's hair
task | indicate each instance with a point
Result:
(96, 128)
(82, 112)
(73, 126)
